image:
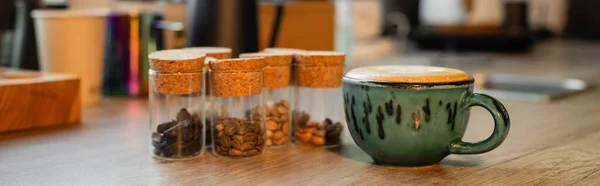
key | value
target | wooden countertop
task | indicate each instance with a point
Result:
(549, 144)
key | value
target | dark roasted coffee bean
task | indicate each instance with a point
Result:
(332, 141)
(337, 132)
(198, 129)
(191, 148)
(188, 135)
(173, 131)
(164, 126)
(330, 128)
(327, 122)
(300, 118)
(179, 138)
(156, 137)
(174, 148)
(182, 128)
(158, 144)
(184, 115)
(158, 152)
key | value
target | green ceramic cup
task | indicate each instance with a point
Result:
(417, 123)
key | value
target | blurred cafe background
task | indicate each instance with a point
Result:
(105, 42)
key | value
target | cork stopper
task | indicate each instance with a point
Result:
(319, 69)
(284, 50)
(207, 61)
(237, 77)
(238, 64)
(176, 61)
(277, 73)
(214, 52)
(176, 71)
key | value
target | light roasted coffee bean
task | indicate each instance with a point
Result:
(278, 135)
(282, 110)
(272, 125)
(280, 141)
(286, 128)
(277, 122)
(316, 140)
(319, 133)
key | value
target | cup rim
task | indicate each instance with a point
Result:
(72, 13)
(404, 85)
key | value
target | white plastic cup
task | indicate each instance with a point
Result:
(72, 41)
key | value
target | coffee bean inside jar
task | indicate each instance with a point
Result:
(179, 138)
(238, 119)
(176, 86)
(278, 123)
(323, 133)
(317, 119)
(238, 137)
(277, 76)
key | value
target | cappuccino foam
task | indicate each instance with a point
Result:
(408, 74)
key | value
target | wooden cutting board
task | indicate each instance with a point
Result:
(31, 99)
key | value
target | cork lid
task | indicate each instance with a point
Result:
(207, 60)
(238, 64)
(176, 61)
(320, 58)
(215, 52)
(408, 74)
(283, 50)
(272, 59)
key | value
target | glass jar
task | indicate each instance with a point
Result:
(318, 117)
(238, 119)
(212, 53)
(278, 95)
(177, 129)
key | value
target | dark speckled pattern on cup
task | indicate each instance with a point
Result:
(417, 124)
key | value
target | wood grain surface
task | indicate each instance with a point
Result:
(549, 144)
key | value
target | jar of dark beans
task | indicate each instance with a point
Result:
(177, 129)
(277, 76)
(237, 88)
(318, 111)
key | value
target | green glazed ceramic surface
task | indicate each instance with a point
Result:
(417, 125)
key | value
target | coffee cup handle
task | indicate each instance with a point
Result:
(501, 126)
